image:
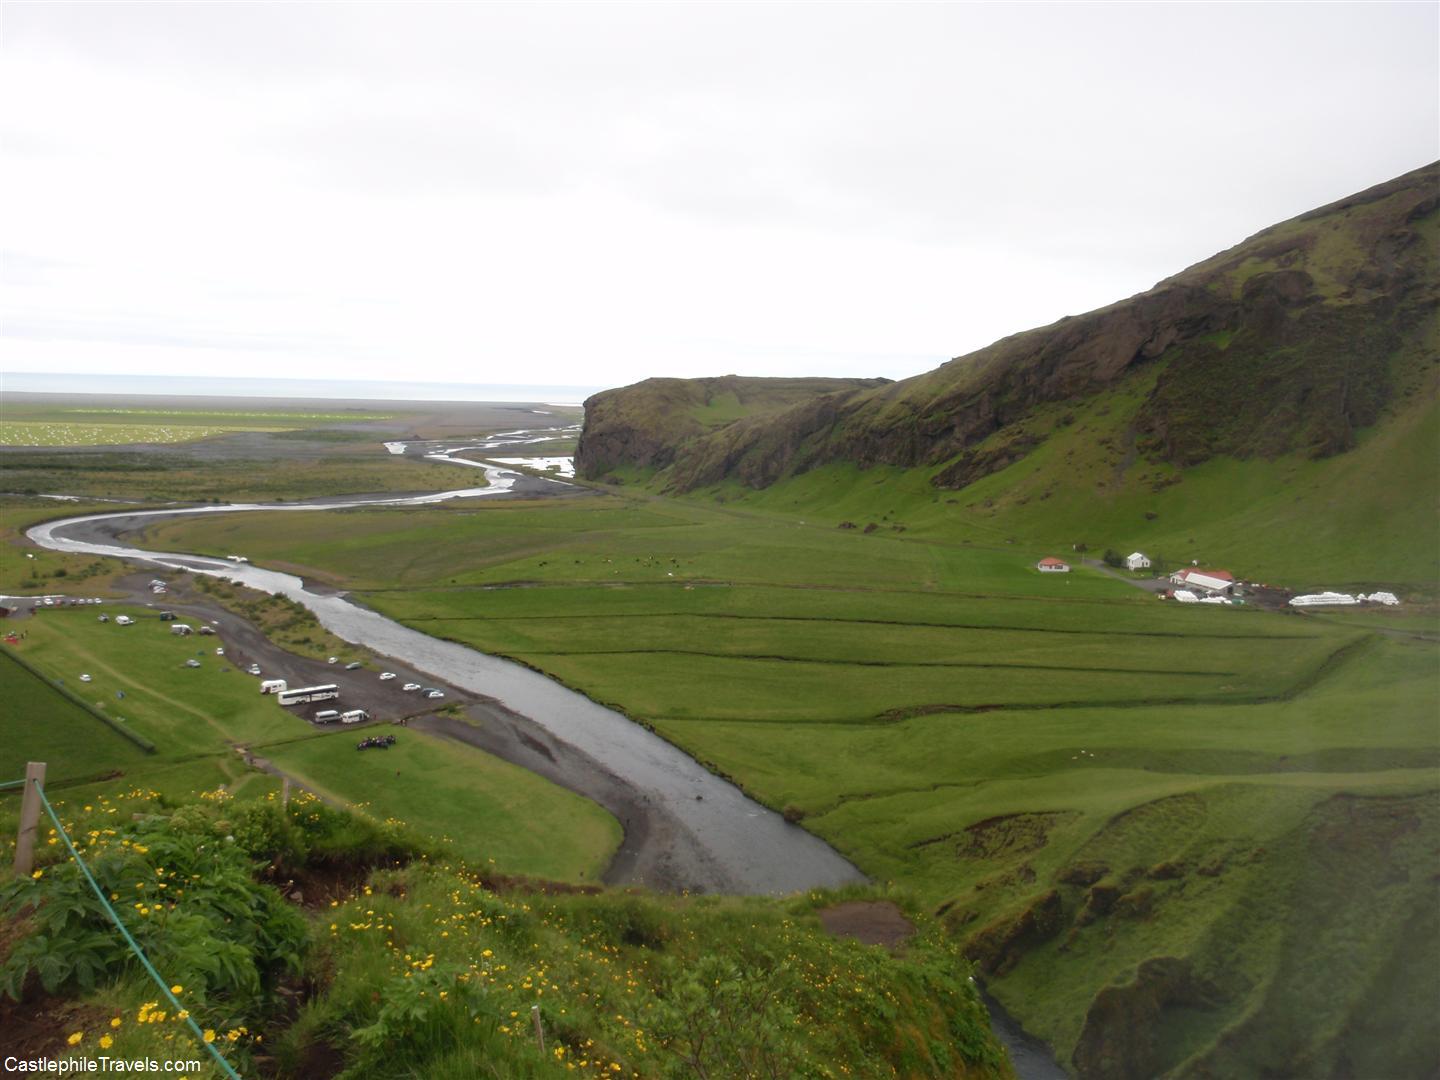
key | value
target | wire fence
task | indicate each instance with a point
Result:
(180, 1010)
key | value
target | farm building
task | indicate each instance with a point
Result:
(1137, 561)
(1052, 565)
(1209, 582)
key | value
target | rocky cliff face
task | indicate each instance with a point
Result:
(1286, 342)
(646, 425)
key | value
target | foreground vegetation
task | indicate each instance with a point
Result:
(1161, 831)
(427, 969)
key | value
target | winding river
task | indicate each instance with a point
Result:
(716, 839)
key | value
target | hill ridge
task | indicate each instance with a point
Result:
(1289, 341)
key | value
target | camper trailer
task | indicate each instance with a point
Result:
(272, 686)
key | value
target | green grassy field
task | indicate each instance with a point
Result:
(1089, 786)
(48, 425)
(43, 725)
(489, 810)
(182, 710)
(196, 717)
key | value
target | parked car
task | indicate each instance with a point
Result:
(219, 651)
(353, 665)
(333, 660)
(84, 678)
(192, 662)
(254, 669)
(386, 676)
(434, 693)
(410, 686)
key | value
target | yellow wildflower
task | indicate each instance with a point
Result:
(209, 1035)
(106, 1042)
(75, 1037)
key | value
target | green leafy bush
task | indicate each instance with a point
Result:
(183, 886)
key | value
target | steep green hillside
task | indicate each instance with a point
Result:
(1271, 407)
(1362, 519)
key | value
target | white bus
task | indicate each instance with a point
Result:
(301, 694)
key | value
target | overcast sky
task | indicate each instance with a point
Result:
(592, 194)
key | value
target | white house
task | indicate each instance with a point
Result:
(1052, 565)
(1137, 561)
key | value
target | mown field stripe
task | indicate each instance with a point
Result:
(501, 619)
(875, 663)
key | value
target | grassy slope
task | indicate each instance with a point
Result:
(486, 808)
(196, 717)
(41, 724)
(800, 659)
(429, 971)
(1364, 518)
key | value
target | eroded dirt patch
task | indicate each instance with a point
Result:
(873, 922)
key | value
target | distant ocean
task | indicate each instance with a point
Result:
(238, 386)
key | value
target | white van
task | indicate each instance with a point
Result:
(123, 620)
(272, 686)
(327, 716)
(354, 716)
(181, 628)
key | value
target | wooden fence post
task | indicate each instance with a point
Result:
(539, 1031)
(285, 791)
(29, 819)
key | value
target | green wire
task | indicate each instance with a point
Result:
(11, 783)
(144, 960)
